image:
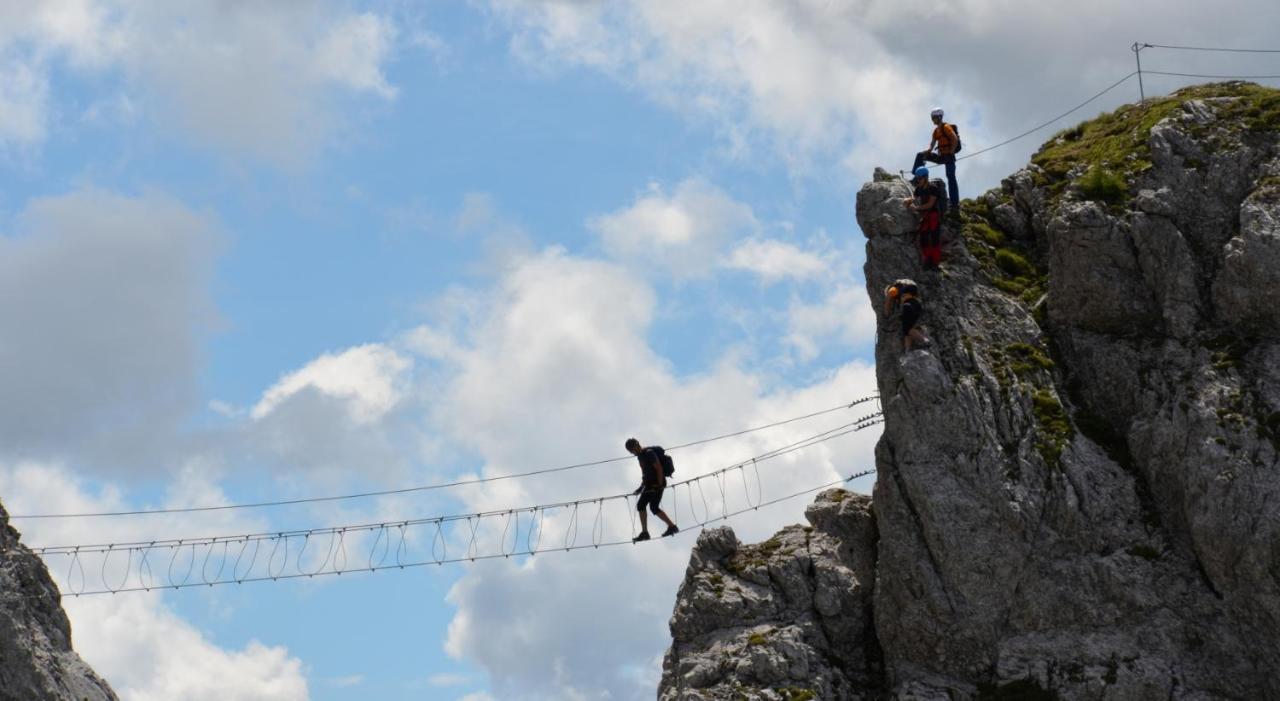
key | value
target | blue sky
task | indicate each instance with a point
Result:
(282, 251)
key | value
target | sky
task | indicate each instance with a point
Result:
(270, 251)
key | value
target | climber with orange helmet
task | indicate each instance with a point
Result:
(906, 293)
(943, 148)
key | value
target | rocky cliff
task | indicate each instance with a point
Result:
(1078, 480)
(36, 658)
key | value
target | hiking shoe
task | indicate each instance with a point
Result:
(644, 535)
(670, 531)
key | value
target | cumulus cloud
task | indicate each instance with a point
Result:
(775, 260)
(681, 232)
(843, 318)
(256, 79)
(104, 301)
(344, 417)
(367, 378)
(136, 641)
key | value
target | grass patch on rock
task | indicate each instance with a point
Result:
(1055, 426)
(1026, 358)
(1013, 262)
(1102, 185)
(1114, 146)
(1008, 266)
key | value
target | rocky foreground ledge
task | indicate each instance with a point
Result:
(1079, 484)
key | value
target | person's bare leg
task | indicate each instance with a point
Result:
(663, 515)
(644, 522)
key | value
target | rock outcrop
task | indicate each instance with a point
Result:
(36, 658)
(789, 617)
(1079, 484)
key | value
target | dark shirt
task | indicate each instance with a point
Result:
(650, 463)
(924, 192)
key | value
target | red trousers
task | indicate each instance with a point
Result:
(930, 233)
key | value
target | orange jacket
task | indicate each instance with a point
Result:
(946, 138)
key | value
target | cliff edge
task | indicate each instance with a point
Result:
(1078, 481)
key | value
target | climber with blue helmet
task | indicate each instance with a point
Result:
(942, 150)
(925, 201)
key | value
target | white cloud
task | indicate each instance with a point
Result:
(263, 80)
(366, 378)
(775, 260)
(136, 641)
(681, 232)
(844, 317)
(342, 418)
(353, 52)
(104, 300)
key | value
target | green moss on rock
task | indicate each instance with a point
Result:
(1055, 426)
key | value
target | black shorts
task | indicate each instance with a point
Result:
(911, 311)
(652, 497)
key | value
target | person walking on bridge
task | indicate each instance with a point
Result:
(653, 480)
(942, 150)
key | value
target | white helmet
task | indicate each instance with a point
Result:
(937, 112)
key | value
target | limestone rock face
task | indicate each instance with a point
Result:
(1078, 491)
(785, 619)
(36, 658)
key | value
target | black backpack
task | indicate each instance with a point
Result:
(941, 202)
(668, 466)
(956, 130)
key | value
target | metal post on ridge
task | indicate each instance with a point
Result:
(1137, 50)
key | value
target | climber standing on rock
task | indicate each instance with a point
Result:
(943, 148)
(655, 466)
(925, 203)
(906, 294)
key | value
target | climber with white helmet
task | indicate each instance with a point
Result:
(926, 201)
(943, 148)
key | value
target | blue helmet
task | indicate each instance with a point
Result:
(921, 172)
